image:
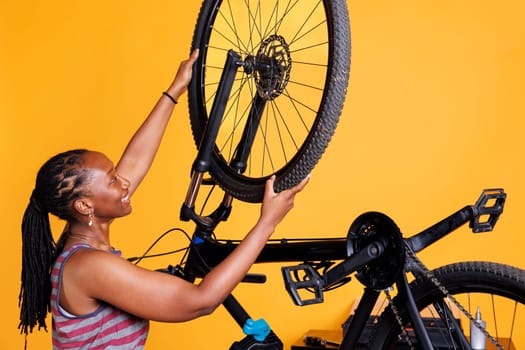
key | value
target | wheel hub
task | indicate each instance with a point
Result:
(271, 67)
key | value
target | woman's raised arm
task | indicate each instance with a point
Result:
(140, 151)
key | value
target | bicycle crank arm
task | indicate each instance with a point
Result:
(356, 261)
(482, 217)
(305, 277)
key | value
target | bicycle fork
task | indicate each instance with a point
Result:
(207, 143)
(202, 163)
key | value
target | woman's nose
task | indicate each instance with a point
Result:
(125, 182)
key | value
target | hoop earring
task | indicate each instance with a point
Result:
(90, 223)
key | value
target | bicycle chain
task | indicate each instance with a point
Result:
(430, 275)
(404, 333)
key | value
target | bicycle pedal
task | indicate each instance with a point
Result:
(487, 210)
(302, 281)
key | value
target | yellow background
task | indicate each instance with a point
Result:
(433, 116)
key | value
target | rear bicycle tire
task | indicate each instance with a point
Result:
(502, 285)
(310, 41)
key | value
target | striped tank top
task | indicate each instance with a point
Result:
(105, 328)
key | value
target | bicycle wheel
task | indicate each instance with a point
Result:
(497, 289)
(294, 75)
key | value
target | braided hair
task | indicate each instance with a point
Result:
(59, 182)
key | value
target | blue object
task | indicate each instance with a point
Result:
(259, 329)
(197, 240)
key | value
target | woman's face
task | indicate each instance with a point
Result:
(108, 191)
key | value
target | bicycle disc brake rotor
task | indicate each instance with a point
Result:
(370, 227)
(272, 67)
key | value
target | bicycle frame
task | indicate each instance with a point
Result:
(352, 253)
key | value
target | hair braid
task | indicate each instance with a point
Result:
(38, 251)
(59, 181)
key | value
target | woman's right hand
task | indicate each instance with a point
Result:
(275, 206)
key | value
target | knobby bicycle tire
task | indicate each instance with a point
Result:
(503, 285)
(306, 44)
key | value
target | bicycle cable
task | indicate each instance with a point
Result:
(137, 259)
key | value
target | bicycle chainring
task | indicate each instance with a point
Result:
(370, 227)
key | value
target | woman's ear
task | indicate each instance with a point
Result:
(83, 206)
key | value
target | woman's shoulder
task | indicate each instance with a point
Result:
(89, 258)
